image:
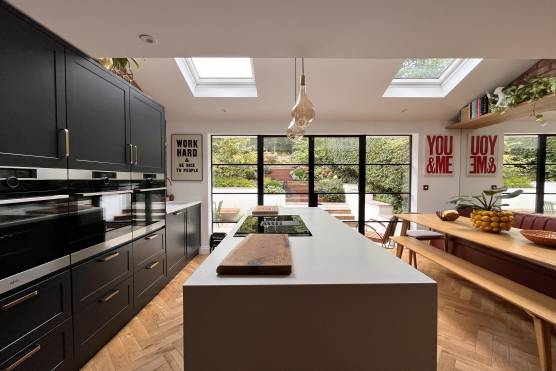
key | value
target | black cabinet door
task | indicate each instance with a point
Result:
(175, 242)
(53, 351)
(97, 116)
(32, 89)
(147, 133)
(193, 230)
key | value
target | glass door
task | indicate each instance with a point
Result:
(286, 172)
(336, 177)
(549, 191)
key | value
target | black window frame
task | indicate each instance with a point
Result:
(313, 196)
(540, 168)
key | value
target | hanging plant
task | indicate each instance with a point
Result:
(531, 91)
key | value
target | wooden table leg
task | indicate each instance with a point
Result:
(403, 232)
(542, 333)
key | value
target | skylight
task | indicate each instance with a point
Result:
(423, 68)
(219, 77)
(429, 77)
(223, 68)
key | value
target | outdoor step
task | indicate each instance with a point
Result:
(343, 216)
(338, 211)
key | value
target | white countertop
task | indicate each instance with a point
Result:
(334, 255)
(175, 206)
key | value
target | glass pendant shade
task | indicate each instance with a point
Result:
(303, 112)
(294, 131)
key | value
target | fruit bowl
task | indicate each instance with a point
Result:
(447, 215)
(546, 238)
(492, 221)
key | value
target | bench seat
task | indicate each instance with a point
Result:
(540, 306)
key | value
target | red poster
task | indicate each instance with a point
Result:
(439, 155)
(482, 156)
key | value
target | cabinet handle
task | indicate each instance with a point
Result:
(109, 296)
(108, 258)
(151, 237)
(130, 153)
(24, 358)
(136, 154)
(179, 213)
(20, 300)
(152, 265)
(64, 144)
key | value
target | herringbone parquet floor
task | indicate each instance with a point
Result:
(476, 330)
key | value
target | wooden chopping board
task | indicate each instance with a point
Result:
(262, 210)
(259, 254)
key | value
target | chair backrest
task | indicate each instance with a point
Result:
(390, 229)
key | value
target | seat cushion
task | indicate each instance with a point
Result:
(425, 235)
(534, 221)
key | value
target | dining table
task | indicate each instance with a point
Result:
(507, 253)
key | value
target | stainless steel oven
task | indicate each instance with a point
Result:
(149, 199)
(103, 201)
(34, 217)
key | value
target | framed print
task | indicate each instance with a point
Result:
(187, 157)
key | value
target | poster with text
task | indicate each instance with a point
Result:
(482, 155)
(187, 157)
(439, 155)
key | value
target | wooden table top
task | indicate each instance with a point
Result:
(511, 242)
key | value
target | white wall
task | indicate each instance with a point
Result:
(441, 188)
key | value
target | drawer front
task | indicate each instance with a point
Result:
(29, 313)
(145, 248)
(98, 274)
(149, 280)
(102, 319)
(52, 351)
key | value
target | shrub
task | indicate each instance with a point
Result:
(221, 182)
(331, 186)
(300, 173)
(273, 186)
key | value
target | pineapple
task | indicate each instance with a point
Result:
(487, 214)
(492, 221)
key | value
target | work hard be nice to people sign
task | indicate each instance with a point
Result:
(187, 157)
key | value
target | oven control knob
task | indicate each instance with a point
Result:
(12, 182)
(106, 180)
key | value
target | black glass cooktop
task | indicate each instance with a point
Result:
(291, 225)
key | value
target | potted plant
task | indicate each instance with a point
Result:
(487, 214)
(121, 67)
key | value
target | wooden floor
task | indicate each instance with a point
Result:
(476, 330)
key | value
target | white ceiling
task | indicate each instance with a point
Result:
(339, 37)
(310, 28)
(341, 89)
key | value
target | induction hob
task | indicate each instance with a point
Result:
(291, 225)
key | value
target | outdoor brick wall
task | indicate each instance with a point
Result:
(543, 68)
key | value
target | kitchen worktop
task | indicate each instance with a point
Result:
(175, 206)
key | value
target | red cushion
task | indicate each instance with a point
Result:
(534, 221)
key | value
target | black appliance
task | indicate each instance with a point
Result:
(149, 199)
(34, 217)
(102, 201)
(291, 225)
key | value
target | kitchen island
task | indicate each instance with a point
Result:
(347, 305)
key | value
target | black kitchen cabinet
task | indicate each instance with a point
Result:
(95, 325)
(97, 116)
(147, 133)
(32, 95)
(52, 351)
(29, 313)
(175, 242)
(193, 231)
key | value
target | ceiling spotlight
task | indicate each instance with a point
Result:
(147, 38)
(223, 110)
(404, 110)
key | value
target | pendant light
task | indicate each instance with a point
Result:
(303, 112)
(295, 132)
